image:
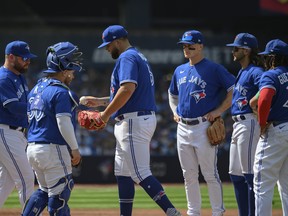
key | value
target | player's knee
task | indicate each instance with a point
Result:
(36, 203)
(58, 204)
(190, 177)
(141, 174)
(210, 177)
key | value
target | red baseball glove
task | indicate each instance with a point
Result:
(91, 120)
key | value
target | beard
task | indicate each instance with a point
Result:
(20, 69)
(67, 81)
(239, 58)
(115, 53)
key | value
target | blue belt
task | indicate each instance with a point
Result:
(139, 113)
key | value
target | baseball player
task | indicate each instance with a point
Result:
(132, 105)
(15, 171)
(271, 159)
(194, 100)
(52, 145)
(246, 130)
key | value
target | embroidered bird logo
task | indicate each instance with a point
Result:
(198, 95)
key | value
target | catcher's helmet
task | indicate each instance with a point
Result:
(63, 56)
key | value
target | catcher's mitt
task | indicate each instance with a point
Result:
(91, 120)
(216, 131)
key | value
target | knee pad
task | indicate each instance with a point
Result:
(36, 203)
(58, 204)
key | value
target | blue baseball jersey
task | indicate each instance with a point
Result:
(199, 86)
(132, 66)
(277, 79)
(12, 88)
(48, 99)
(246, 86)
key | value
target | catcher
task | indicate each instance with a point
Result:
(52, 145)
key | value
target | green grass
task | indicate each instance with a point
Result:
(107, 197)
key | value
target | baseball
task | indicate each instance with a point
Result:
(83, 100)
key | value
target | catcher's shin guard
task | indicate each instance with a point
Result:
(58, 204)
(35, 204)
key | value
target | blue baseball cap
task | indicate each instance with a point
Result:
(191, 37)
(244, 40)
(275, 46)
(112, 33)
(19, 48)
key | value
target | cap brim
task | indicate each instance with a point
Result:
(49, 70)
(263, 53)
(29, 56)
(238, 45)
(233, 45)
(104, 44)
(186, 42)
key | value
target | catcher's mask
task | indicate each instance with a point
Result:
(63, 56)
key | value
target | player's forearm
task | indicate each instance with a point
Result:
(226, 103)
(173, 102)
(67, 131)
(92, 101)
(254, 101)
(264, 105)
(17, 107)
(122, 96)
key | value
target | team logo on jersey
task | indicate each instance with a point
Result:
(112, 89)
(198, 95)
(242, 102)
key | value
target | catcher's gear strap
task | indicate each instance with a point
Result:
(67, 131)
(57, 204)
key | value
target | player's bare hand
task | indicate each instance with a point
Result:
(91, 101)
(255, 110)
(176, 118)
(264, 129)
(212, 115)
(75, 157)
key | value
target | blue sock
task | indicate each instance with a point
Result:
(155, 190)
(251, 197)
(126, 192)
(241, 193)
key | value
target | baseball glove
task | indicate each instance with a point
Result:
(216, 131)
(90, 120)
